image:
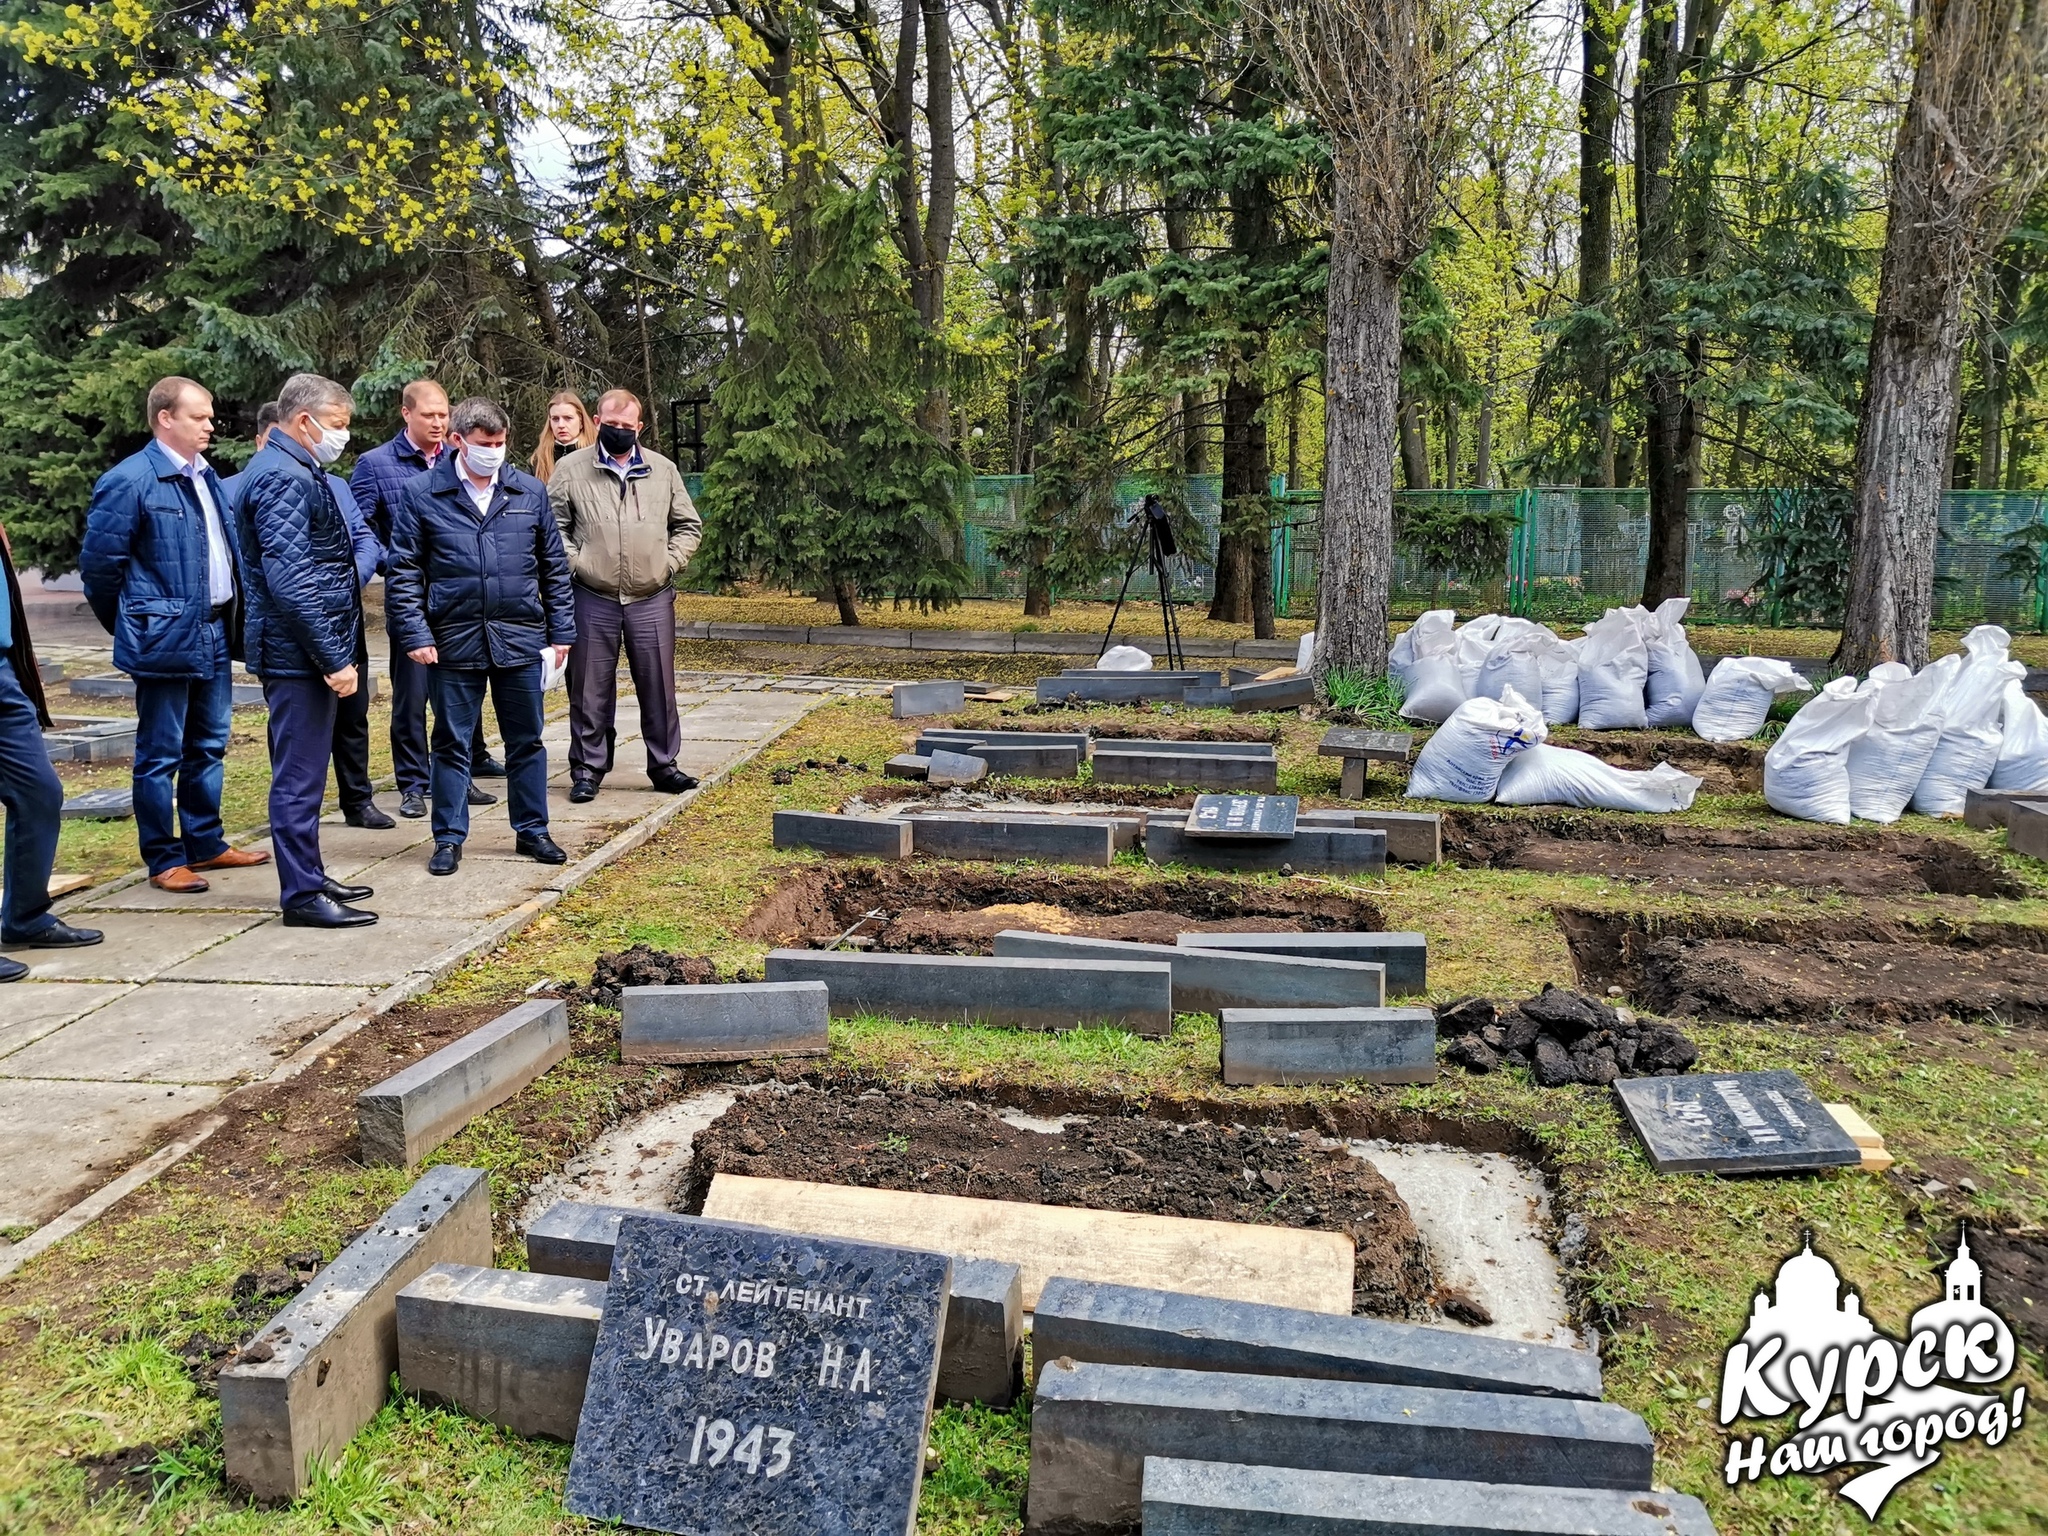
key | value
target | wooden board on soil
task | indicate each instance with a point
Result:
(1281, 1266)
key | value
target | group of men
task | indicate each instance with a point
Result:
(493, 583)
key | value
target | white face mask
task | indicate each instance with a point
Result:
(484, 462)
(332, 441)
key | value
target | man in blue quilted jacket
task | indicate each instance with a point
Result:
(476, 586)
(303, 632)
(161, 571)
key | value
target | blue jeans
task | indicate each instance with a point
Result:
(34, 798)
(301, 740)
(181, 741)
(458, 706)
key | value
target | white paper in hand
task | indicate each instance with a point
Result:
(551, 671)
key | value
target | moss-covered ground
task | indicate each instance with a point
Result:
(92, 1334)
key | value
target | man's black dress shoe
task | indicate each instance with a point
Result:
(334, 890)
(369, 816)
(412, 805)
(59, 935)
(11, 970)
(324, 912)
(538, 845)
(487, 767)
(672, 780)
(446, 860)
(582, 790)
(481, 796)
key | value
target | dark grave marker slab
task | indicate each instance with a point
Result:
(1250, 818)
(1352, 741)
(115, 803)
(758, 1383)
(1734, 1122)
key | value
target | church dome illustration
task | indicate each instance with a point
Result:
(1962, 1304)
(1806, 1308)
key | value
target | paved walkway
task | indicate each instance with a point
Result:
(103, 1050)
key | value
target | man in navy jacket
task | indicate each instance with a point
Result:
(477, 587)
(303, 632)
(379, 481)
(161, 571)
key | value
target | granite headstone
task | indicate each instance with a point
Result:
(758, 1383)
(1734, 1122)
(1252, 818)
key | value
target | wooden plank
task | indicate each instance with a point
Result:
(1281, 1266)
(1860, 1130)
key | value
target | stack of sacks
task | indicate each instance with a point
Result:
(1441, 664)
(1495, 749)
(1898, 738)
(1738, 697)
(1637, 669)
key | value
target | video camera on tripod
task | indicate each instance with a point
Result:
(1156, 547)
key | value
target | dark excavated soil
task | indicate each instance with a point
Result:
(959, 911)
(1787, 969)
(2016, 1280)
(1722, 767)
(908, 1141)
(1854, 861)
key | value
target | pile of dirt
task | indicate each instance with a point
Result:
(785, 773)
(641, 967)
(1563, 1037)
(957, 911)
(909, 1141)
(1855, 861)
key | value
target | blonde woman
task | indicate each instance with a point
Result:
(569, 428)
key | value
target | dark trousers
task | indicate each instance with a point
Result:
(301, 742)
(352, 739)
(458, 705)
(34, 798)
(411, 686)
(181, 743)
(647, 629)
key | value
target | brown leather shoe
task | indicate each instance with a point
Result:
(179, 881)
(234, 858)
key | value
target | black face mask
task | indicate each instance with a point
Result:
(616, 440)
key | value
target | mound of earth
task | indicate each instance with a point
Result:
(642, 967)
(909, 1141)
(1563, 1037)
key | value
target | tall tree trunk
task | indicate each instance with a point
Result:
(843, 595)
(1414, 448)
(1482, 436)
(1454, 447)
(944, 194)
(1599, 109)
(1967, 156)
(1361, 400)
(1994, 362)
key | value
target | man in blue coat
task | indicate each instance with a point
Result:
(352, 714)
(379, 481)
(477, 588)
(303, 632)
(160, 568)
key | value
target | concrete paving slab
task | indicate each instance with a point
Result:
(313, 956)
(139, 946)
(479, 889)
(32, 1009)
(65, 1138)
(172, 1032)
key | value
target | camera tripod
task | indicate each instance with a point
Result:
(1159, 547)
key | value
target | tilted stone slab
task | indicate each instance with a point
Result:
(942, 696)
(1405, 955)
(1131, 1325)
(983, 1349)
(1281, 693)
(869, 837)
(332, 1350)
(405, 1117)
(1050, 839)
(1078, 740)
(1148, 744)
(981, 1359)
(1312, 851)
(1119, 687)
(1189, 770)
(1205, 981)
(2026, 830)
(1986, 808)
(738, 1022)
(1216, 1498)
(1092, 1426)
(944, 767)
(975, 989)
(1328, 1045)
(502, 1345)
(1206, 698)
(1032, 761)
(907, 765)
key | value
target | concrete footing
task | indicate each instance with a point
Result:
(405, 1117)
(1020, 993)
(502, 1345)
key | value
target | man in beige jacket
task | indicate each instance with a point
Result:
(629, 528)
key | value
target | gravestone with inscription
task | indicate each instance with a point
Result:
(758, 1383)
(1734, 1122)
(1247, 818)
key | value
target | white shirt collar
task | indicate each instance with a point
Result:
(196, 465)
